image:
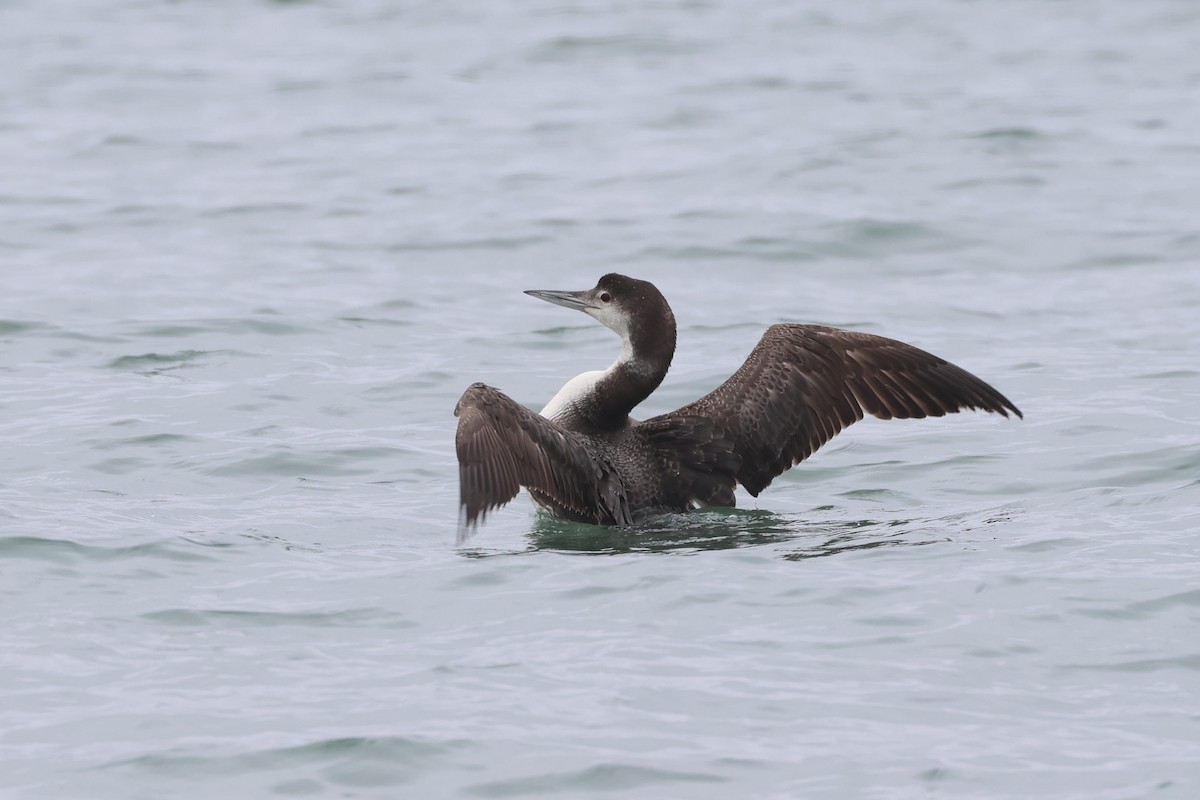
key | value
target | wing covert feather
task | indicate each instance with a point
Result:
(803, 384)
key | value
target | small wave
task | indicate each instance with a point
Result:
(684, 118)
(240, 618)
(602, 777)
(201, 327)
(152, 440)
(247, 209)
(120, 466)
(1167, 375)
(285, 462)
(1145, 609)
(173, 331)
(757, 82)
(154, 363)
(493, 243)
(11, 327)
(345, 761)
(351, 130)
(68, 551)
(1191, 663)
(1015, 133)
(362, 322)
(1002, 180)
(269, 327)
(743, 251)
(576, 48)
(905, 234)
(38, 200)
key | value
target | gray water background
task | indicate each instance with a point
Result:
(252, 253)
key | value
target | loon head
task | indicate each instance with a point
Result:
(634, 309)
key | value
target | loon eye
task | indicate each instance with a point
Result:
(605, 297)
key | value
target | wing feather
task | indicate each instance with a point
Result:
(503, 446)
(803, 384)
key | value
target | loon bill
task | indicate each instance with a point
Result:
(584, 458)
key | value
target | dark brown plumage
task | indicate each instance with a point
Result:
(803, 384)
(503, 446)
(799, 387)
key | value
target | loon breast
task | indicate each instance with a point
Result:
(572, 394)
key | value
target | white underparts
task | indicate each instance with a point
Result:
(572, 392)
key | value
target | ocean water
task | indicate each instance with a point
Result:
(252, 252)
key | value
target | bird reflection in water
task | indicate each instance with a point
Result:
(729, 529)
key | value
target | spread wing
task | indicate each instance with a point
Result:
(803, 384)
(503, 446)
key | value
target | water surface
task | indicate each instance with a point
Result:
(252, 253)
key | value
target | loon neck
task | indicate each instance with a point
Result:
(647, 347)
(599, 402)
(622, 387)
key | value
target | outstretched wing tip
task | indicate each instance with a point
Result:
(470, 518)
(998, 404)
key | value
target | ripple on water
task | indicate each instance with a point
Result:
(67, 551)
(869, 237)
(853, 239)
(576, 48)
(1189, 663)
(1017, 134)
(757, 249)
(121, 466)
(153, 440)
(1144, 609)
(13, 327)
(283, 461)
(203, 327)
(173, 331)
(798, 536)
(388, 322)
(493, 243)
(239, 618)
(248, 209)
(343, 762)
(602, 777)
(155, 363)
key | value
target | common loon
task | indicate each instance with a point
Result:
(584, 458)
